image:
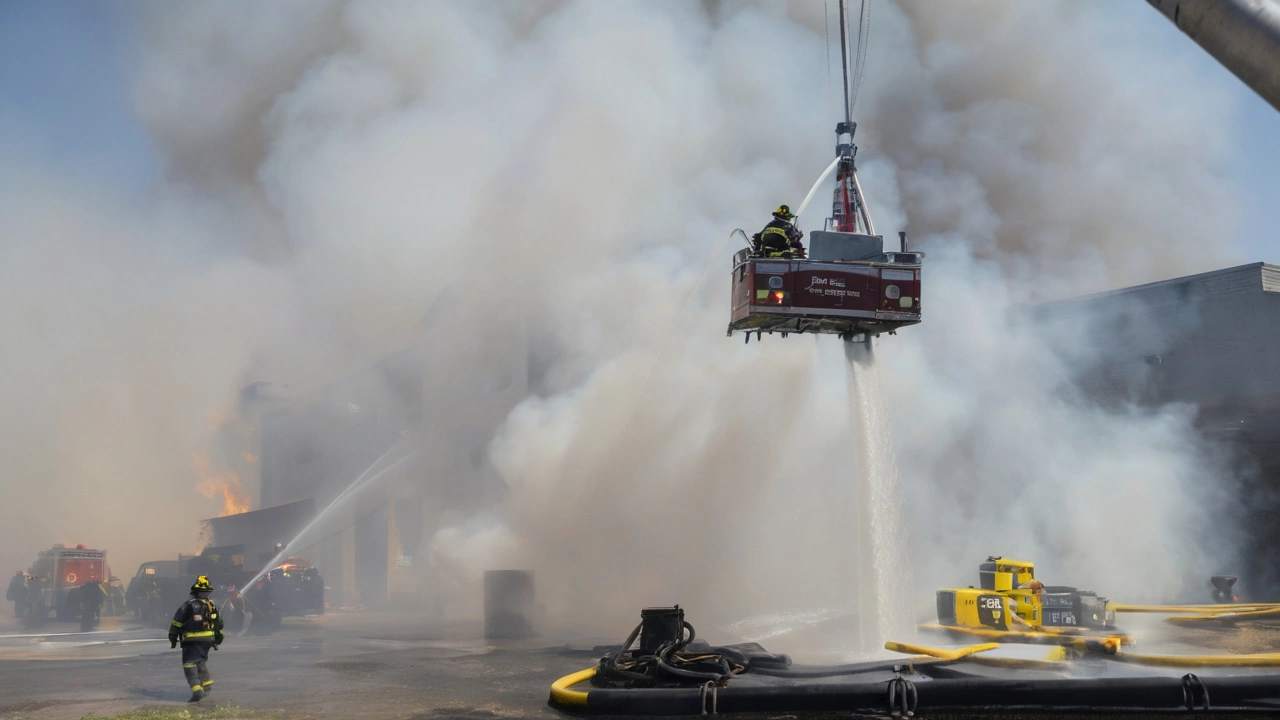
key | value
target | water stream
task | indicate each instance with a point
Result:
(318, 529)
(885, 601)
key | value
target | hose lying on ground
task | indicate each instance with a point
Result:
(670, 665)
(562, 696)
(1228, 614)
(1202, 608)
(1042, 636)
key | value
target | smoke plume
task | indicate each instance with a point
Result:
(333, 169)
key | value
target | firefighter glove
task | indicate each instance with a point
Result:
(173, 643)
(218, 637)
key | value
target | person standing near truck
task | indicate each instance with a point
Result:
(16, 592)
(198, 626)
(115, 600)
(17, 589)
(91, 597)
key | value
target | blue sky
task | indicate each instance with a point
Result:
(1255, 167)
(64, 90)
(64, 95)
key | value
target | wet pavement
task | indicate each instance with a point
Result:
(351, 665)
(379, 665)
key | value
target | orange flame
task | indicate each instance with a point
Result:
(211, 482)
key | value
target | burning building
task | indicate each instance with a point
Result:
(259, 534)
(434, 405)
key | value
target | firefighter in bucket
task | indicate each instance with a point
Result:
(781, 237)
(198, 626)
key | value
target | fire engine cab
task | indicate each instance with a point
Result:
(57, 576)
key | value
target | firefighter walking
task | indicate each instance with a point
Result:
(198, 626)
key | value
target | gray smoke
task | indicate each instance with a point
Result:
(568, 168)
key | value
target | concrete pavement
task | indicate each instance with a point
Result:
(351, 665)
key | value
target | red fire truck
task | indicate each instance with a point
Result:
(57, 576)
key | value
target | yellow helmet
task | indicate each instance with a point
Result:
(783, 213)
(201, 585)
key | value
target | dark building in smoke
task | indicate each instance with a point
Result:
(1212, 340)
(256, 534)
(438, 404)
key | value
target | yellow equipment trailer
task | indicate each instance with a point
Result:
(1010, 599)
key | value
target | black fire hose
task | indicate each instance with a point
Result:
(901, 697)
(671, 665)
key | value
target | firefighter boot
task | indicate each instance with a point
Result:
(193, 681)
(206, 680)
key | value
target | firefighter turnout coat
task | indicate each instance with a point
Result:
(197, 620)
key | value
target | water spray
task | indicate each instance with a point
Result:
(883, 532)
(813, 190)
(366, 479)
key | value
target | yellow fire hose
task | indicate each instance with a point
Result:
(942, 653)
(1040, 637)
(1207, 608)
(970, 653)
(1229, 616)
(1193, 661)
(1058, 655)
(562, 696)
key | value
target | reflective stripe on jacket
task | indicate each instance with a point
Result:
(197, 620)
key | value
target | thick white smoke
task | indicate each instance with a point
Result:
(570, 166)
(128, 338)
(1039, 156)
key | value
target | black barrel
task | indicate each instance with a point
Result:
(508, 604)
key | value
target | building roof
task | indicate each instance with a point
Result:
(1239, 280)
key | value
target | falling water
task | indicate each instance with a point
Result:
(882, 532)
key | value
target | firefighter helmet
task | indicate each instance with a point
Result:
(784, 213)
(201, 585)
